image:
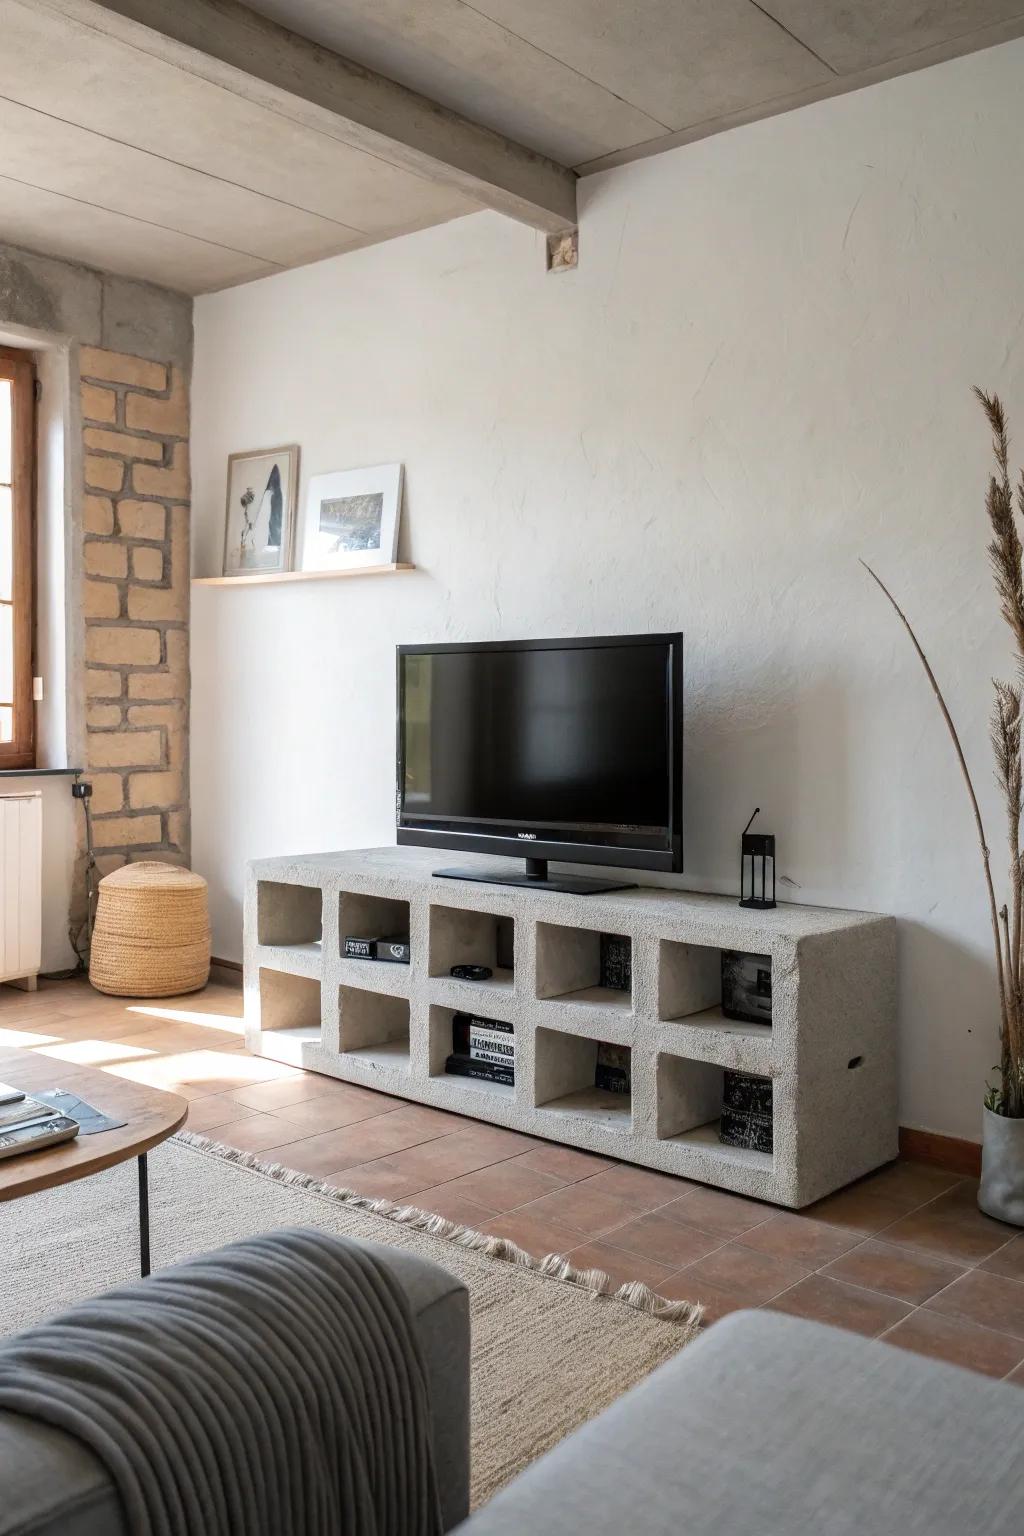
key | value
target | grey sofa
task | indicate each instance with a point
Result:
(765, 1426)
(52, 1486)
(772, 1426)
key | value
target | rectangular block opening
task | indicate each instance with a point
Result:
(371, 917)
(443, 1043)
(697, 1099)
(461, 937)
(374, 1025)
(289, 1005)
(289, 914)
(583, 965)
(582, 1076)
(726, 988)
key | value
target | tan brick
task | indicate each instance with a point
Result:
(172, 681)
(102, 440)
(181, 549)
(105, 558)
(126, 831)
(98, 404)
(101, 600)
(103, 474)
(152, 480)
(125, 749)
(107, 793)
(141, 520)
(102, 685)
(122, 647)
(121, 368)
(98, 515)
(146, 790)
(171, 714)
(103, 716)
(148, 564)
(177, 830)
(157, 603)
(169, 417)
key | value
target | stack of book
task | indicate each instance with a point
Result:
(482, 1048)
(747, 1103)
(746, 987)
(29, 1125)
(613, 1071)
(394, 949)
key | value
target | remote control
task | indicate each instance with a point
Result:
(37, 1135)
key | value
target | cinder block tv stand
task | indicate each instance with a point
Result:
(830, 1049)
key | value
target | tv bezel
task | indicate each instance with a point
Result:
(668, 860)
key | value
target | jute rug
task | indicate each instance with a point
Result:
(548, 1351)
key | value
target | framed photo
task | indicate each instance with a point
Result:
(259, 526)
(352, 518)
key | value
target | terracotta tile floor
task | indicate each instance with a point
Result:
(904, 1255)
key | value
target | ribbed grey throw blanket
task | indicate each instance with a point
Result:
(272, 1387)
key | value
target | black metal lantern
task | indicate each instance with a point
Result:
(757, 850)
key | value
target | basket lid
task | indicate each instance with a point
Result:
(152, 874)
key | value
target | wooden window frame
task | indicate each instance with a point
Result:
(20, 370)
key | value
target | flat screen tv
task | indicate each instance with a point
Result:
(544, 749)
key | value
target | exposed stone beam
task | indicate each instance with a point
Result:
(225, 43)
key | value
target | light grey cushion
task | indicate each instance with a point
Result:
(771, 1426)
(52, 1486)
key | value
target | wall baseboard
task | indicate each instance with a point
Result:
(949, 1152)
(228, 972)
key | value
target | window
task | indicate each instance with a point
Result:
(17, 465)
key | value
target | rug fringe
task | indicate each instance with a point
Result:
(596, 1283)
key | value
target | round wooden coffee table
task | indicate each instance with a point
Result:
(150, 1116)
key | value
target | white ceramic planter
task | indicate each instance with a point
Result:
(1002, 1168)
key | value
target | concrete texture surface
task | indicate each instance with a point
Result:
(830, 1051)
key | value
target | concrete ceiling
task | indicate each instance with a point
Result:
(592, 83)
(195, 144)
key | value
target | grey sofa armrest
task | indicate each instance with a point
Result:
(52, 1486)
(771, 1426)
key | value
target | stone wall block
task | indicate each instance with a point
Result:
(169, 417)
(141, 520)
(122, 646)
(103, 474)
(171, 480)
(99, 404)
(120, 368)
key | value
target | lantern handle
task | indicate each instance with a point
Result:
(746, 829)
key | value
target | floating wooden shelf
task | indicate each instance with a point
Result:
(265, 578)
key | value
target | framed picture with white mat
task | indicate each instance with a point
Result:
(352, 518)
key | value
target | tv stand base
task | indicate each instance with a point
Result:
(536, 878)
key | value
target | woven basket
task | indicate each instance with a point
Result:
(151, 937)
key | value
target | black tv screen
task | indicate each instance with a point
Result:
(572, 746)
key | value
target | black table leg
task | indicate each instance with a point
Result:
(144, 1214)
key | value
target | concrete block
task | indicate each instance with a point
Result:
(148, 321)
(50, 295)
(830, 1049)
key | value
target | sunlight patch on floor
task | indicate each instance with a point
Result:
(226, 1022)
(199, 1069)
(92, 1053)
(25, 1038)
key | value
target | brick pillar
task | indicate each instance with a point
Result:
(135, 599)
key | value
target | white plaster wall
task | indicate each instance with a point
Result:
(760, 372)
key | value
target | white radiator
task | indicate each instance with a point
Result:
(21, 855)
